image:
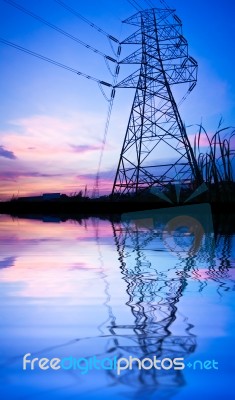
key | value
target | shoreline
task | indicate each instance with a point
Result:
(61, 211)
(101, 207)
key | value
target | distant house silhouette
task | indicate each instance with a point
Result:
(44, 197)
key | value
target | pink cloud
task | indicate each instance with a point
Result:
(40, 136)
(47, 158)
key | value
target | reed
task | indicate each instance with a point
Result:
(216, 159)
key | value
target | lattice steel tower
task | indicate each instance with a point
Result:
(155, 129)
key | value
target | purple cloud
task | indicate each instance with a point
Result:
(14, 175)
(7, 154)
(7, 262)
(103, 175)
(83, 148)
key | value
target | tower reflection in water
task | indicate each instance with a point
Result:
(156, 280)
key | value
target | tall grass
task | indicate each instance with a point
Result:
(215, 155)
(216, 158)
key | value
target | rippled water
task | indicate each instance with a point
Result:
(95, 288)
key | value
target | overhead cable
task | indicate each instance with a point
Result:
(61, 3)
(132, 4)
(23, 9)
(49, 60)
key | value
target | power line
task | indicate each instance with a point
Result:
(97, 179)
(134, 1)
(49, 60)
(165, 4)
(130, 2)
(62, 4)
(110, 108)
(16, 5)
(150, 3)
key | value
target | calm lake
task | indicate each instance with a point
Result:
(97, 290)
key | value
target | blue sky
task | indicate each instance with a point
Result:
(53, 121)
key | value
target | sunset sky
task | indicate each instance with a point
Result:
(52, 120)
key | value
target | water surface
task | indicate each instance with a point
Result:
(95, 288)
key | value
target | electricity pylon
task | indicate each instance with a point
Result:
(156, 150)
